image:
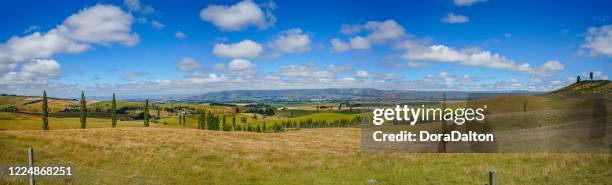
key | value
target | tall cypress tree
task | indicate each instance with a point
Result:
(114, 111)
(45, 109)
(146, 113)
(83, 111)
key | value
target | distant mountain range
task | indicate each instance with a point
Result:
(338, 94)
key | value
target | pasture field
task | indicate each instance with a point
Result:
(168, 153)
(307, 156)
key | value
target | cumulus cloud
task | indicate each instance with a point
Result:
(454, 18)
(467, 2)
(442, 53)
(180, 35)
(598, 41)
(240, 65)
(243, 49)
(36, 71)
(550, 68)
(291, 41)
(130, 75)
(338, 45)
(359, 42)
(384, 31)
(237, 17)
(99, 24)
(187, 64)
(378, 32)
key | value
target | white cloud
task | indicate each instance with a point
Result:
(180, 35)
(305, 71)
(442, 53)
(291, 41)
(238, 16)
(350, 29)
(187, 64)
(240, 65)
(359, 42)
(338, 45)
(384, 31)
(466, 2)
(551, 67)
(598, 41)
(455, 18)
(36, 71)
(204, 79)
(100, 24)
(157, 25)
(378, 33)
(362, 74)
(243, 49)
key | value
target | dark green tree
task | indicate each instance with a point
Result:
(114, 111)
(83, 111)
(45, 109)
(146, 113)
(234, 122)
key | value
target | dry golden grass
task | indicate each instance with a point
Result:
(307, 156)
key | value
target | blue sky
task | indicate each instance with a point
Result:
(188, 47)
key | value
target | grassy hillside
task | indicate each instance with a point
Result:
(587, 87)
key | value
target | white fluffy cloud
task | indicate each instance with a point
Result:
(240, 65)
(237, 17)
(291, 41)
(359, 42)
(99, 24)
(36, 71)
(384, 31)
(442, 53)
(338, 45)
(243, 49)
(599, 40)
(466, 2)
(455, 18)
(187, 64)
(550, 68)
(377, 32)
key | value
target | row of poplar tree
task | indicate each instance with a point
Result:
(207, 121)
(83, 112)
